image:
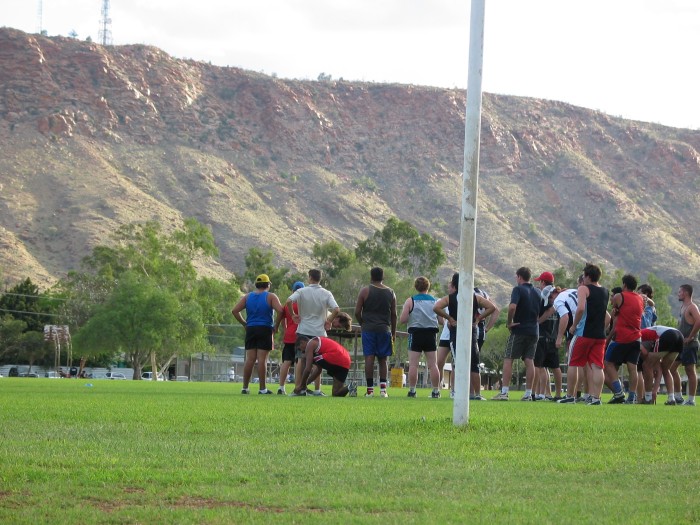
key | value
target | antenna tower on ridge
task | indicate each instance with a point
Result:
(40, 18)
(104, 35)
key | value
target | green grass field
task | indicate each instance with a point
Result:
(146, 452)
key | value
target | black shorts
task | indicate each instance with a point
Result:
(289, 352)
(475, 357)
(670, 341)
(422, 341)
(258, 337)
(624, 353)
(689, 355)
(547, 354)
(335, 371)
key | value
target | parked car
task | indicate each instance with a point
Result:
(148, 376)
(52, 375)
(28, 374)
(112, 375)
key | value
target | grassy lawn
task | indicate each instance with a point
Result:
(149, 452)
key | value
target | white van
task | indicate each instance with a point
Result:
(148, 376)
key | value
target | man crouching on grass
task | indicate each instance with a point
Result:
(322, 353)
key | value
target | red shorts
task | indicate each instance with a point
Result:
(587, 350)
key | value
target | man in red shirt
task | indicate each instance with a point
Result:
(628, 306)
(322, 353)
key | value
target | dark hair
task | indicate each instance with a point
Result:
(421, 284)
(629, 281)
(376, 274)
(344, 320)
(592, 271)
(524, 273)
(647, 290)
(580, 279)
(616, 290)
(315, 275)
(301, 339)
(262, 285)
(688, 289)
(455, 281)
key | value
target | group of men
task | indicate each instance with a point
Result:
(599, 342)
(540, 319)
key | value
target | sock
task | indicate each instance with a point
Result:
(370, 390)
(679, 395)
(382, 384)
(370, 382)
(528, 393)
(435, 390)
(671, 397)
(413, 389)
(632, 395)
(617, 387)
(647, 396)
(691, 398)
(504, 390)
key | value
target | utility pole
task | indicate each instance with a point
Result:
(40, 18)
(104, 35)
(470, 189)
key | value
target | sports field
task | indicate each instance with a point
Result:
(151, 452)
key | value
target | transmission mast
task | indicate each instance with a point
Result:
(40, 17)
(104, 35)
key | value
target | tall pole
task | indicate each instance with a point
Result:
(470, 188)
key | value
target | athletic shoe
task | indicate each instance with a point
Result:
(318, 393)
(594, 402)
(435, 395)
(645, 402)
(582, 399)
(411, 394)
(294, 394)
(689, 403)
(478, 398)
(567, 399)
(500, 397)
(352, 389)
(617, 399)
(631, 401)
(265, 392)
(670, 402)
(281, 392)
(245, 391)
(556, 399)
(549, 398)
(680, 401)
(452, 394)
(369, 394)
(383, 393)
(527, 398)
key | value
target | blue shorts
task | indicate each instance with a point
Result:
(377, 344)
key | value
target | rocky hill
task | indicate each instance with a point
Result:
(93, 137)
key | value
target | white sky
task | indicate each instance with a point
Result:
(632, 58)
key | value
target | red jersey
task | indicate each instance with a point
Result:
(629, 318)
(290, 327)
(331, 352)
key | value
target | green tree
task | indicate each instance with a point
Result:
(25, 303)
(400, 246)
(332, 257)
(259, 261)
(141, 317)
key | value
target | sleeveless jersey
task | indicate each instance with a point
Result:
(331, 352)
(629, 318)
(422, 317)
(258, 312)
(596, 308)
(376, 310)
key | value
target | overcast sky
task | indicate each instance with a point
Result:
(632, 58)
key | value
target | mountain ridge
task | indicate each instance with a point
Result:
(95, 137)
